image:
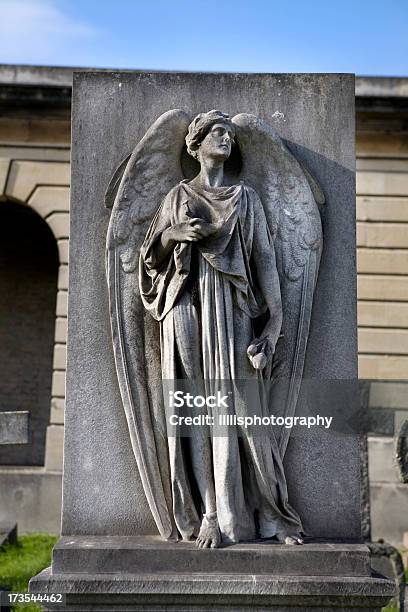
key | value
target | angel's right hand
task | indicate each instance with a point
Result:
(189, 231)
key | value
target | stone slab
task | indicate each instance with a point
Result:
(31, 497)
(383, 314)
(15, 427)
(54, 449)
(389, 511)
(150, 555)
(111, 112)
(389, 395)
(382, 421)
(389, 367)
(382, 465)
(199, 592)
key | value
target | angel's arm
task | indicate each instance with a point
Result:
(152, 251)
(264, 261)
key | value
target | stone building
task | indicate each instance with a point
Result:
(34, 226)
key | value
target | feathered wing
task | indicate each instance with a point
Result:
(289, 195)
(151, 171)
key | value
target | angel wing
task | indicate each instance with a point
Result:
(151, 171)
(289, 195)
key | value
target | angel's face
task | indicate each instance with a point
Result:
(217, 143)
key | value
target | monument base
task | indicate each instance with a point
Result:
(144, 573)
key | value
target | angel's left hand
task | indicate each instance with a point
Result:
(260, 352)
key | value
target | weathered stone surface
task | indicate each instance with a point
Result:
(381, 164)
(54, 448)
(63, 278)
(380, 341)
(391, 367)
(58, 384)
(382, 209)
(31, 497)
(59, 223)
(12, 150)
(60, 357)
(24, 176)
(400, 417)
(46, 200)
(14, 427)
(382, 235)
(383, 314)
(389, 511)
(199, 592)
(63, 250)
(388, 395)
(57, 410)
(61, 330)
(381, 459)
(382, 183)
(62, 304)
(382, 287)
(92, 389)
(382, 422)
(151, 555)
(383, 261)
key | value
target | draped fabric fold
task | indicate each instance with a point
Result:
(206, 297)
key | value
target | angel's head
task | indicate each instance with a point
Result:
(211, 135)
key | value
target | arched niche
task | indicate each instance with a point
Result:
(28, 289)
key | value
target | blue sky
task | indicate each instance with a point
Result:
(368, 37)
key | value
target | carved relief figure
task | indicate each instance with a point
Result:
(211, 279)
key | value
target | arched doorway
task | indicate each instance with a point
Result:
(28, 289)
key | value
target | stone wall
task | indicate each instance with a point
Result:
(382, 260)
(28, 288)
(38, 176)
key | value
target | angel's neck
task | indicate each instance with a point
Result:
(211, 173)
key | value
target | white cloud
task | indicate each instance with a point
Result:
(38, 31)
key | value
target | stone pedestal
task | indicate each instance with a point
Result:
(144, 573)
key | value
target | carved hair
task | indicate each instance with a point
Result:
(201, 125)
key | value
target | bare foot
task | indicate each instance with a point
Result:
(209, 536)
(293, 540)
(290, 540)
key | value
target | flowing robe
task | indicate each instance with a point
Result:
(206, 296)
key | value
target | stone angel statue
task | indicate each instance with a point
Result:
(211, 272)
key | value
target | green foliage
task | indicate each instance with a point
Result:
(20, 562)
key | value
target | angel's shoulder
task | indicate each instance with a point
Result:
(248, 188)
(251, 193)
(175, 191)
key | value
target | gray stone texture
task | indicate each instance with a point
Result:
(381, 460)
(199, 592)
(31, 497)
(102, 490)
(151, 555)
(389, 511)
(382, 422)
(14, 427)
